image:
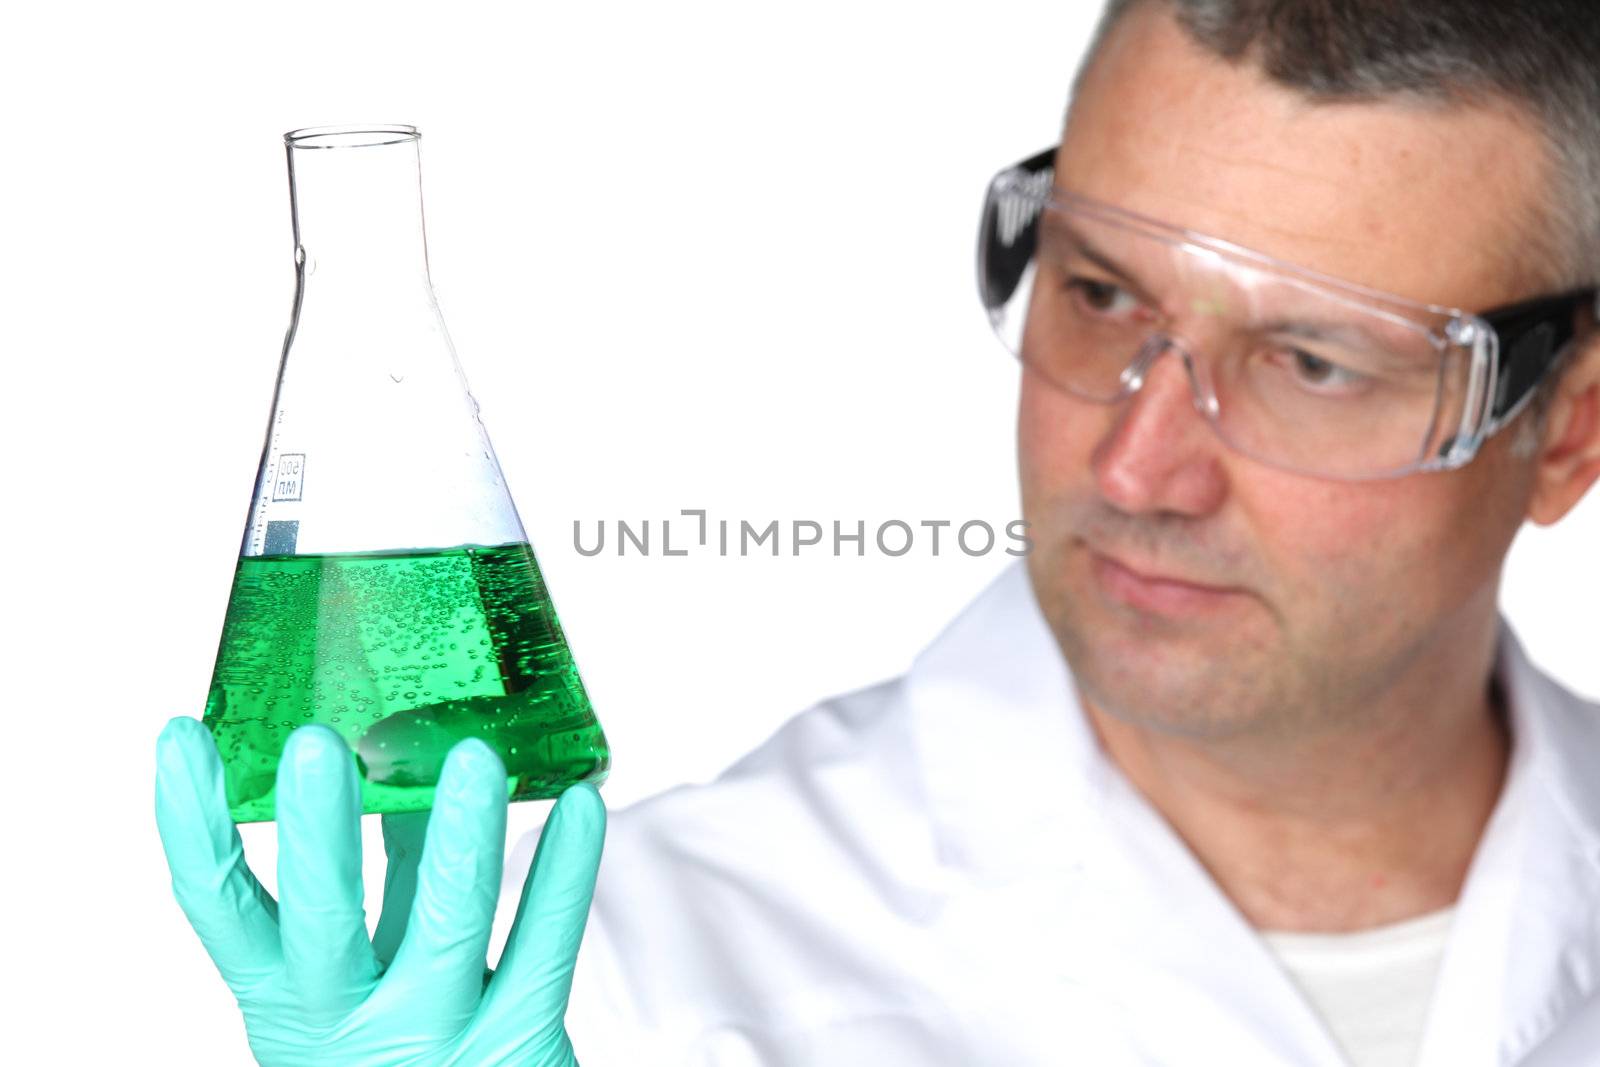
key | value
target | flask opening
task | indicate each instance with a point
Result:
(360, 136)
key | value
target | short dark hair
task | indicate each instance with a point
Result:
(1543, 55)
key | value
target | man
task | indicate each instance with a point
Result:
(1243, 767)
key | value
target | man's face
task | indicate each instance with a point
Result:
(1342, 590)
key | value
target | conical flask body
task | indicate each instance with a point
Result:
(385, 585)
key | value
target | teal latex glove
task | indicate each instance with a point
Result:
(313, 987)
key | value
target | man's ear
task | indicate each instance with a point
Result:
(1568, 461)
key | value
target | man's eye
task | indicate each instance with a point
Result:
(1324, 375)
(1103, 298)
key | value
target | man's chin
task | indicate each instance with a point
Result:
(1174, 683)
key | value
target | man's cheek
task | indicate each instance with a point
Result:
(1346, 597)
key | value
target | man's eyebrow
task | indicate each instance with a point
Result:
(1368, 336)
(1374, 334)
(1082, 246)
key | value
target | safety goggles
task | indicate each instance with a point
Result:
(1295, 369)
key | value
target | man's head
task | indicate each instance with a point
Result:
(1377, 143)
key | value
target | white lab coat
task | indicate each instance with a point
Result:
(944, 869)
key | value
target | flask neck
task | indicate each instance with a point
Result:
(356, 197)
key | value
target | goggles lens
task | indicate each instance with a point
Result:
(1298, 371)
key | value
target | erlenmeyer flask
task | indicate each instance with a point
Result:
(385, 586)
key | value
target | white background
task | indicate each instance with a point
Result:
(692, 255)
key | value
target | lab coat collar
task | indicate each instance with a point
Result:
(1020, 792)
(1554, 742)
(995, 721)
(1526, 953)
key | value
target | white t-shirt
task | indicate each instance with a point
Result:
(1370, 987)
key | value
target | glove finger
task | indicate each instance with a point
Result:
(327, 955)
(236, 918)
(458, 884)
(403, 836)
(531, 985)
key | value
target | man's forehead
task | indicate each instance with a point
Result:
(1428, 200)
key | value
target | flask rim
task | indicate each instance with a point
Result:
(358, 135)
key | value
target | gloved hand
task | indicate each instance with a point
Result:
(313, 987)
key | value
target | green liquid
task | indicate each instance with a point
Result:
(403, 655)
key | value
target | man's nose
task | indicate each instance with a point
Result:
(1158, 452)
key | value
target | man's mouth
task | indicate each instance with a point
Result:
(1151, 591)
